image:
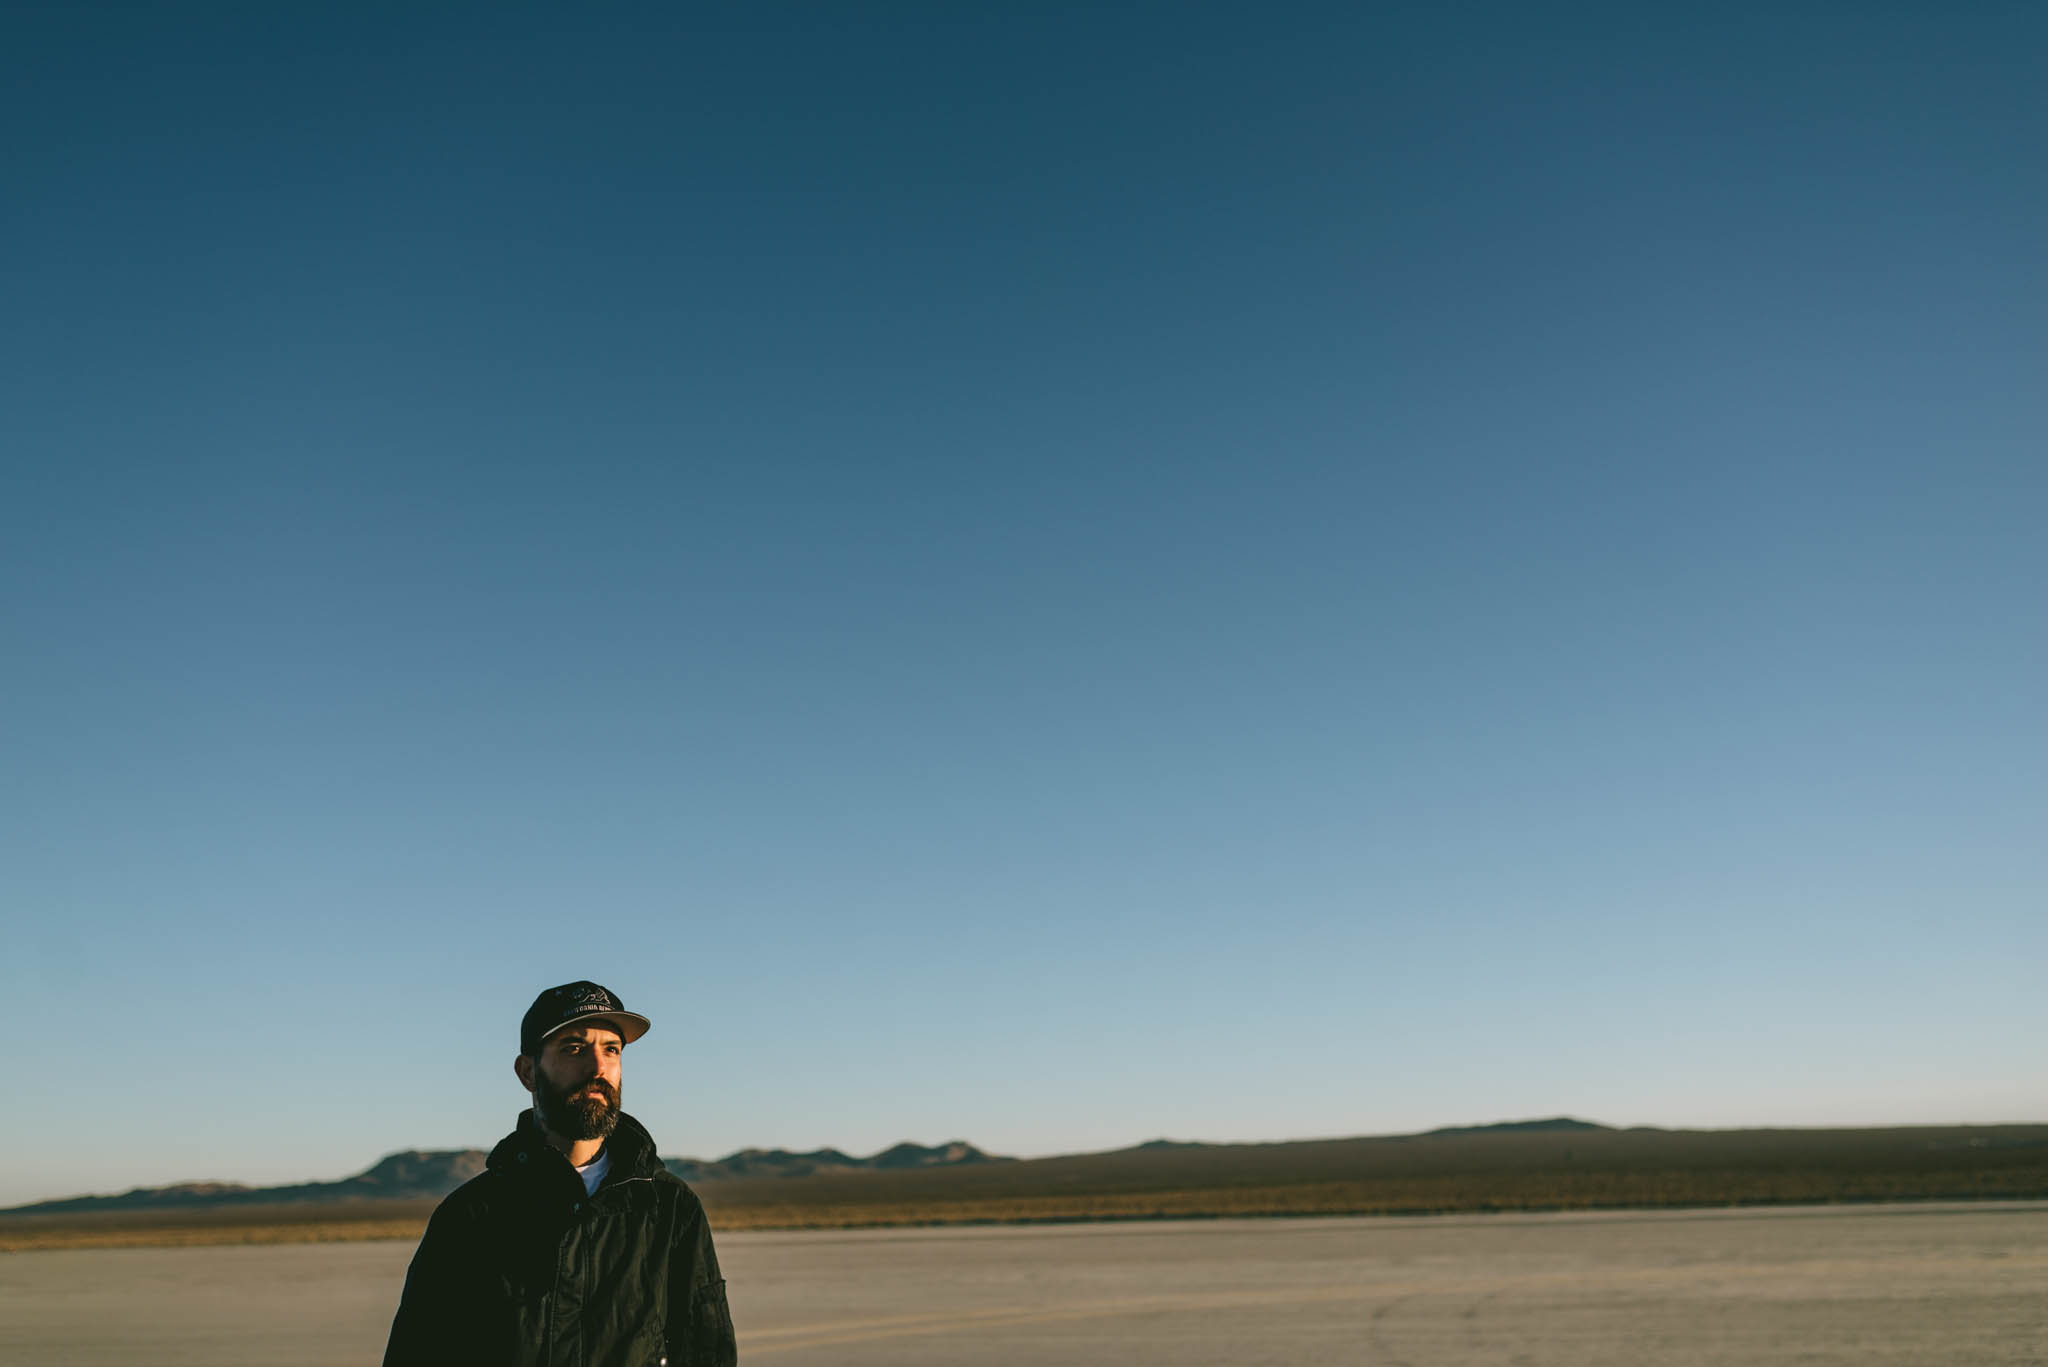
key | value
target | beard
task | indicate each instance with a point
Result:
(562, 1112)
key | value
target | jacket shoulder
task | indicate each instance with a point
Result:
(689, 1208)
(684, 1192)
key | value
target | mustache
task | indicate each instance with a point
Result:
(596, 1084)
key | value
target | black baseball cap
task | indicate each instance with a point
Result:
(571, 1003)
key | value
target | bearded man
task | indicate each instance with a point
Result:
(574, 1247)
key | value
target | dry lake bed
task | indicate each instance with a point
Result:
(1948, 1284)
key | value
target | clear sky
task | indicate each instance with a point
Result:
(1049, 574)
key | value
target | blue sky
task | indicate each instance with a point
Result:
(1047, 574)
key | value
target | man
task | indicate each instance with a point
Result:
(574, 1247)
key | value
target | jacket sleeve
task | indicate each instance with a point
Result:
(439, 1310)
(700, 1332)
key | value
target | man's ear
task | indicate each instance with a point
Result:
(524, 1067)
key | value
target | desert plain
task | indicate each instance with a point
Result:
(1873, 1284)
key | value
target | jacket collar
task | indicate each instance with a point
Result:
(526, 1150)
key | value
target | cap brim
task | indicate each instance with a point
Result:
(629, 1025)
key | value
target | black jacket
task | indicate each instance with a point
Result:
(518, 1268)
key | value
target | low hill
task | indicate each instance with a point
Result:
(1552, 1125)
(783, 1163)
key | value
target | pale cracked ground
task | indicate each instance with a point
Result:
(1861, 1285)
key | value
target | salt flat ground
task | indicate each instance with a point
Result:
(1855, 1284)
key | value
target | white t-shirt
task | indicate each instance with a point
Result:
(593, 1172)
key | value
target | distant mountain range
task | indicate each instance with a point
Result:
(420, 1174)
(412, 1173)
(416, 1174)
(1520, 1165)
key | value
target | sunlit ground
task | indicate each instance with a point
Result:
(1863, 1285)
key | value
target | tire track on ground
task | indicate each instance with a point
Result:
(1376, 1333)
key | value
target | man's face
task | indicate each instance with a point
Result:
(576, 1081)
